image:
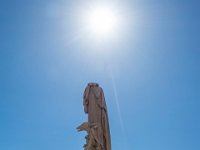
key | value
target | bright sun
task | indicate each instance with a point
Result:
(101, 20)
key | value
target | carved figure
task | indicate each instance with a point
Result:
(97, 127)
(92, 140)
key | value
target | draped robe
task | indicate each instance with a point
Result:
(95, 106)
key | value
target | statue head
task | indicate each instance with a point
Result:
(93, 84)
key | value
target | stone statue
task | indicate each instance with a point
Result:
(97, 126)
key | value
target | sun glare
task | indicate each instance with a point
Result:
(102, 20)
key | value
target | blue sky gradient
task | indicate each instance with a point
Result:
(150, 75)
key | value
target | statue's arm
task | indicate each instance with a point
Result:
(85, 104)
(85, 99)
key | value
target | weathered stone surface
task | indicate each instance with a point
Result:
(97, 126)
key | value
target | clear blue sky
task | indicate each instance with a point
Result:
(150, 75)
